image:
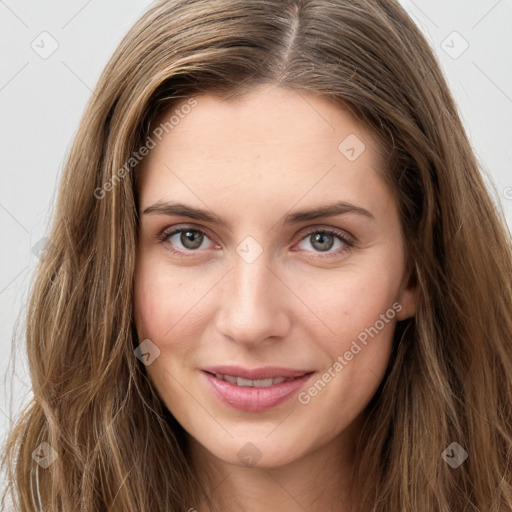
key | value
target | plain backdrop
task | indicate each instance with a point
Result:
(52, 53)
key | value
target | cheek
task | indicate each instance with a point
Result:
(163, 302)
(360, 311)
(156, 293)
(353, 299)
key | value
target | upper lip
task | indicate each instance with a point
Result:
(267, 372)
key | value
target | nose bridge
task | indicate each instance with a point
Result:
(252, 280)
(252, 307)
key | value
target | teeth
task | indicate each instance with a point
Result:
(229, 378)
(240, 381)
(258, 383)
(263, 383)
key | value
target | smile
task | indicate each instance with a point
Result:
(258, 383)
(255, 395)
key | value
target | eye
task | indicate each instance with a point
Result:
(187, 239)
(323, 240)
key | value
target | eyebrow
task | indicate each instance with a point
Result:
(330, 210)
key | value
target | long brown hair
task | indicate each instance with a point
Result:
(450, 375)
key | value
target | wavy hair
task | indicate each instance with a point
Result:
(449, 378)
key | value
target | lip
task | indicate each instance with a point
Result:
(252, 399)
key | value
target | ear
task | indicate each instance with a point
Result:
(408, 293)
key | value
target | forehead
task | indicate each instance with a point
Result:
(269, 114)
(271, 142)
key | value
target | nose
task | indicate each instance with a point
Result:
(254, 303)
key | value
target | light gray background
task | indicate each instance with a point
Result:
(42, 98)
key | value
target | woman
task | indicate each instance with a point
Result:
(275, 280)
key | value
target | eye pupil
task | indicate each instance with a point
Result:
(191, 239)
(320, 238)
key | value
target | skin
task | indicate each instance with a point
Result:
(252, 161)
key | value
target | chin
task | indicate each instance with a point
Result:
(257, 451)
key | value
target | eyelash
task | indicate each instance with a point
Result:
(340, 235)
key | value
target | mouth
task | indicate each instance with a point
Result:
(255, 390)
(256, 383)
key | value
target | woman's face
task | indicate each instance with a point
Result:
(241, 273)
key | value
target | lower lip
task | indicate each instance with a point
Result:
(251, 399)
